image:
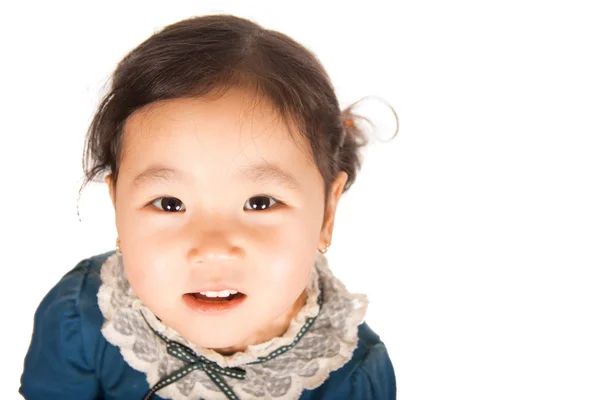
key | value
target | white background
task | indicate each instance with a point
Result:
(475, 232)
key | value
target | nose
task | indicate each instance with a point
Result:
(212, 241)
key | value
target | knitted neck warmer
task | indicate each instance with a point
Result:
(320, 339)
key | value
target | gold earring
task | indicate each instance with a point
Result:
(324, 250)
(118, 246)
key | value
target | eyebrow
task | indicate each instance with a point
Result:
(261, 173)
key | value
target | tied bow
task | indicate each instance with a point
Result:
(193, 362)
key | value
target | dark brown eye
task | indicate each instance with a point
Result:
(259, 203)
(169, 204)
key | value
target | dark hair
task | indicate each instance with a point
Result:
(206, 56)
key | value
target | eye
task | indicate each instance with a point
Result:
(261, 202)
(169, 204)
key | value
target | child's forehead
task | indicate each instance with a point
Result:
(235, 129)
(234, 108)
(236, 115)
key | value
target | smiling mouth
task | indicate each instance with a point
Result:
(218, 299)
(213, 305)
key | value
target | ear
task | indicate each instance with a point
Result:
(111, 189)
(337, 187)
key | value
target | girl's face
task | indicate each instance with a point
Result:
(216, 195)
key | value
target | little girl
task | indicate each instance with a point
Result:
(225, 154)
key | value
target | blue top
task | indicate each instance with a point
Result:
(69, 358)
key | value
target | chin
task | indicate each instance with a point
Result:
(219, 344)
(216, 340)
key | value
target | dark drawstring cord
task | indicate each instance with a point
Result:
(194, 361)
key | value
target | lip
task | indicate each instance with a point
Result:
(212, 308)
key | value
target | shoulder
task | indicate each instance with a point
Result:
(80, 282)
(375, 356)
(66, 342)
(73, 303)
(75, 297)
(368, 375)
(373, 376)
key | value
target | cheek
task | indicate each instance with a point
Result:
(298, 235)
(288, 257)
(149, 276)
(284, 280)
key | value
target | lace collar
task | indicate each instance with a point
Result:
(320, 339)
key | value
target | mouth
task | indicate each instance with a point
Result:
(209, 303)
(208, 297)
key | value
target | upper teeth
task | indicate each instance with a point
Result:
(222, 293)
